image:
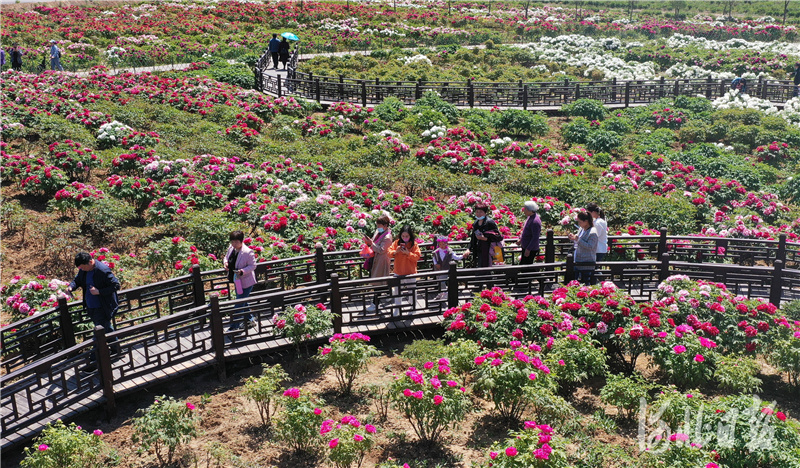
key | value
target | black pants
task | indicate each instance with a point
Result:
(530, 258)
(275, 58)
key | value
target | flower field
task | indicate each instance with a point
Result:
(150, 172)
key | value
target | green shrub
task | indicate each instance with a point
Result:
(694, 131)
(236, 74)
(573, 361)
(603, 140)
(207, 230)
(520, 122)
(658, 142)
(106, 216)
(61, 446)
(164, 426)
(590, 109)
(432, 100)
(418, 352)
(299, 323)
(264, 389)
(298, 423)
(625, 392)
(620, 125)
(577, 131)
(785, 355)
(737, 374)
(349, 355)
(695, 105)
(53, 127)
(390, 110)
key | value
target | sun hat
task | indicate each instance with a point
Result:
(52, 41)
(531, 205)
(441, 238)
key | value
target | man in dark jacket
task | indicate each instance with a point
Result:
(529, 240)
(100, 288)
(16, 58)
(796, 81)
(275, 49)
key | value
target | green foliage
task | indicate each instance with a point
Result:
(264, 389)
(164, 426)
(390, 110)
(428, 402)
(207, 230)
(590, 109)
(785, 355)
(237, 74)
(349, 441)
(299, 323)
(106, 216)
(520, 122)
(577, 131)
(737, 374)
(299, 420)
(418, 352)
(603, 141)
(625, 392)
(506, 375)
(62, 446)
(53, 127)
(431, 99)
(462, 357)
(349, 355)
(534, 446)
(572, 361)
(620, 125)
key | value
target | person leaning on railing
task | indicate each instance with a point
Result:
(585, 249)
(100, 288)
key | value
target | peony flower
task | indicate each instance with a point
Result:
(97, 432)
(333, 443)
(699, 358)
(679, 349)
(511, 451)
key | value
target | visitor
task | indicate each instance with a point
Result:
(585, 249)
(599, 221)
(55, 56)
(442, 257)
(2, 59)
(274, 50)
(100, 288)
(796, 74)
(740, 84)
(379, 263)
(484, 233)
(531, 231)
(406, 254)
(240, 263)
(16, 58)
(284, 52)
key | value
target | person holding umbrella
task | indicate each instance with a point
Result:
(274, 50)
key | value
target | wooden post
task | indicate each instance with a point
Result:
(257, 79)
(470, 93)
(452, 285)
(709, 83)
(776, 284)
(319, 265)
(627, 94)
(781, 253)
(363, 93)
(336, 304)
(676, 90)
(65, 323)
(662, 242)
(577, 91)
(341, 88)
(418, 89)
(569, 273)
(197, 287)
(763, 85)
(722, 87)
(525, 97)
(217, 337)
(614, 89)
(663, 272)
(279, 86)
(104, 366)
(661, 88)
(549, 248)
(318, 93)
(378, 95)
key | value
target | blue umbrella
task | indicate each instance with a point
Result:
(290, 36)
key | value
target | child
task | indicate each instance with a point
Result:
(442, 257)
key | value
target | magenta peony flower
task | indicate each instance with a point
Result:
(511, 451)
(333, 443)
(699, 358)
(679, 349)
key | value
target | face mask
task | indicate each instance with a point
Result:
(479, 218)
(380, 230)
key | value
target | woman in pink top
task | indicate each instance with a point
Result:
(240, 263)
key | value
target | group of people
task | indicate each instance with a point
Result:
(486, 247)
(15, 57)
(279, 49)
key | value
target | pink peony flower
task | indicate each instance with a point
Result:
(190, 406)
(333, 443)
(511, 451)
(292, 392)
(370, 429)
(699, 358)
(437, 399)
(43, 447)
(97, 432)
(679, 349)
(358, 437)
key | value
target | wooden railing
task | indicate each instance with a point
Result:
(55, 330)
(522, 95)
(194, 337)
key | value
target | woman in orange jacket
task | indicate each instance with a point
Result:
(405, 252)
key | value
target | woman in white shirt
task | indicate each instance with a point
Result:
(599, 221)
